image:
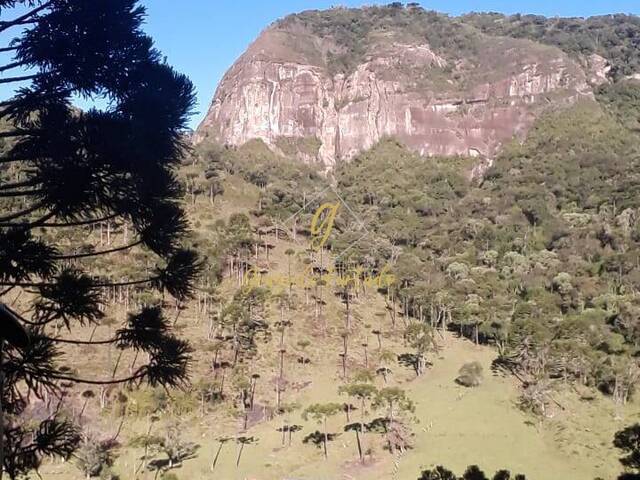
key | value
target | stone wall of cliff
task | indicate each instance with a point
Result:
(282, 91)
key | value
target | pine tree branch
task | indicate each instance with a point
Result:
(16, 133)
(23, 18)
(22, 213)
(125, 284)
(132, 378)
(41, 222)
(20, 193)
(83, 342)
(9, 66)
(57, 94)
(9, 186)
(80, 223)
(13, 159)
(6, 290)
(95, 254)
(97, 285)
(8, 49)
(26, 285)
(19, 79)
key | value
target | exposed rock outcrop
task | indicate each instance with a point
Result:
(282, 89)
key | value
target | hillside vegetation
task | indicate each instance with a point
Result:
(445, 319)
(448, 423)
(508, 337)
(351, 32)
(540, 260)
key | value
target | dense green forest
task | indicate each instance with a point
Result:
(540, 258)
(614, 37)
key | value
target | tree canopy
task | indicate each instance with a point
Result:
(65, 171)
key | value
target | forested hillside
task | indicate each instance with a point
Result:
(614, 37)
(399, 316)
(539, 259)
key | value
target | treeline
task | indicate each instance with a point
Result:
(614, 37)
(471, 473)
(351, 31)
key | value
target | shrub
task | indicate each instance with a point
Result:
(147, 401)
(458, 271)
(94, 457)
(107, 474)
(470, 375)
(169, 476)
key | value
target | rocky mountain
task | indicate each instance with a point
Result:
(325, 85)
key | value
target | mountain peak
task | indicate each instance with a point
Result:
(329, 84)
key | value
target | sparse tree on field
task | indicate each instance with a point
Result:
(173, 445)
(93, 456)
(365, 347)
(320, 412)
(254, 382)
(378, 334)
(293, 429)
(242, 441)
(285, 411)
(420, 337)
(221, 442)
(319, 301)
(471, 315)
(289, 253)
(148, 441)
(242, 386)
(205, 390)
(363, 392)
(86, 395)
(386, 358)
(345, 352)
(396, 402)
(346, 295)
(244, 320)
(213, 182)
(303, 345)
(224, 366)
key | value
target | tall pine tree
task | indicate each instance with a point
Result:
(65, 170)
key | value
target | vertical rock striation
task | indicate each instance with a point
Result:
(284, 90)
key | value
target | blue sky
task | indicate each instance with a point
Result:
(202, 38)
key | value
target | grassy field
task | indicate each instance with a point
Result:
(457, 427)
(453, 426)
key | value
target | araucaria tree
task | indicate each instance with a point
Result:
(321, 412)
(363, 392)
(628, 440)
(420, 336)
(396, 403)
(66, 172)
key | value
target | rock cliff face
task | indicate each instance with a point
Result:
(285, 91)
